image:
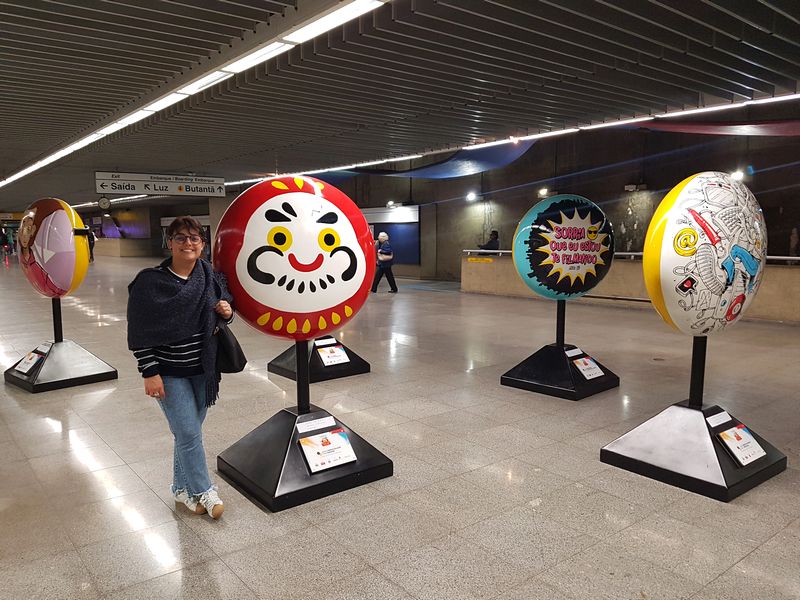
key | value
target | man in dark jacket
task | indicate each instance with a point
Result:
(493, 243)
(385, 259)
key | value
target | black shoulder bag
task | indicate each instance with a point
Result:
(230, 358)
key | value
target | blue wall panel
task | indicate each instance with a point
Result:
(404, 238)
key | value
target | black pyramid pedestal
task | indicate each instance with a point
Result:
(551, 370)
(680, 446)
(60, 365)
(285, 364)
(269, 465)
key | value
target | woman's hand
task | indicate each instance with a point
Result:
(154, 387)
(223, 309)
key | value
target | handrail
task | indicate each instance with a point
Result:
(469, 251)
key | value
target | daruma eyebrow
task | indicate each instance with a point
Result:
(276, 216)
(329, 218)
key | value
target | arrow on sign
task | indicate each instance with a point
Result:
(147, 187)
(103, 185)
(220, 188)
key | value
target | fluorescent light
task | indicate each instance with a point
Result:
(166, 101)
(369, 164)
(242, 181)
(257, 57)
(333, 19)
(409, 157)
(82, 143)
(697, 111)
(205, 82)
(486, 145)
(135, 117)
(616, 123)
(546, 134)
(22, 173)
(109, 129)
(115, 200)
(775, 99)
(52, 158)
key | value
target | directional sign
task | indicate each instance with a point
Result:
(158, 184)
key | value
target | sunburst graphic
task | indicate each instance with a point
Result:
(574, 247)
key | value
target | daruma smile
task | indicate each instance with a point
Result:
(305, 268)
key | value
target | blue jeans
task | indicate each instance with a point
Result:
(185, 409)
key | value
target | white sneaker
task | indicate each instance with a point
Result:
(211, 503)
(181, 497)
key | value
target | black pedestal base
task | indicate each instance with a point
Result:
(65, 364)
(678, 447)
(285, 365)
(268, 464)
(550, 371)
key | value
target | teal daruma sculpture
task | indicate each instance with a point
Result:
(562, 248)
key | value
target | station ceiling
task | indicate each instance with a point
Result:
(413, 76)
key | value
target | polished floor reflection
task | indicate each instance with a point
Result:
(497, 493)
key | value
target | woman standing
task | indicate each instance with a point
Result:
(173, 311)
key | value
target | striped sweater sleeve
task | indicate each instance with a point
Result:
(171, 359)
(147, 361)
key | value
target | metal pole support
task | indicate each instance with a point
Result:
(698, 372)
(58, 330)
(303, 392)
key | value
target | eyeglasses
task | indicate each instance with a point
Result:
(180, 238)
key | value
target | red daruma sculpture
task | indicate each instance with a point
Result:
(299, 259)
(298, 255)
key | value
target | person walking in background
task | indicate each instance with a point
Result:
(493, 243)
(385, 257)
(90, 239)
(5, 247)
(173, 311)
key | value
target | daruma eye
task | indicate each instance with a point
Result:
(328, 239)
(280, 238)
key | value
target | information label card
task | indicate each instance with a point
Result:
(326, 450)
(742, 445)
(27, 363)
(333, 355)
(588, 367)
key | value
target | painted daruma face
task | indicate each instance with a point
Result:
(295, 252)
(704, 253)
(52, 257)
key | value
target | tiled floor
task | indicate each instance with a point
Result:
(497, 493)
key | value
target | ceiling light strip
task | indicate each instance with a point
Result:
(304, 33)
(318, 26)
(616, 123)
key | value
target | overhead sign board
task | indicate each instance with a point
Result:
(162, 185)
